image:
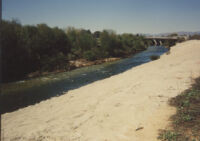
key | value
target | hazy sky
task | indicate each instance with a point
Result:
(130, 16)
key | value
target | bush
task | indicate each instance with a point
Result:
(154, 57)
(89, 55)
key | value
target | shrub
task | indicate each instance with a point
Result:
(154, 57)
(89, 55)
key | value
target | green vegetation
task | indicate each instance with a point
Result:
(154, 57)
(168, 135)
(170, 43)
(29, 49)
(195, 37)
(173, 35)
(186, 122)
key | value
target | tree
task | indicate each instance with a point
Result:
(15, 55)
(27, 49)
(173, 35)
(82, 41)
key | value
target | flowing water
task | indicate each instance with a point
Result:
(24, 93)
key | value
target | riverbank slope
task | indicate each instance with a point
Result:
(125, 107)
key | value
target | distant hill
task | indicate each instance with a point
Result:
(179, 33)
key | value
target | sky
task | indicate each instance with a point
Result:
(123, 16)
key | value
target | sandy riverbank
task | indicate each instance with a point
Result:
(111, 109)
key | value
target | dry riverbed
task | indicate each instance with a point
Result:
(131, 106)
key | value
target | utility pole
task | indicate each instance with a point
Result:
(0, 66)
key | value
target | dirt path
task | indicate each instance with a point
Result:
(131, 106)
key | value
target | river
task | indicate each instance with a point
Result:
(20, 94)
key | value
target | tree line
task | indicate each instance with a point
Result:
(194, 37)
(31, 48)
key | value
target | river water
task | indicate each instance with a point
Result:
(28, 92)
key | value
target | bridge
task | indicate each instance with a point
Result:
(165, 41)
